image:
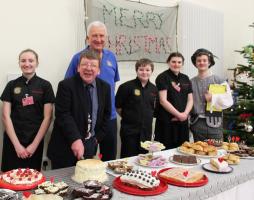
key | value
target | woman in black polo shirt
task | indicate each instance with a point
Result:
(176, 102)
(27, 110)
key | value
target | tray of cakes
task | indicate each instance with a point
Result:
(217, 165)
(183, 177)
(92, 189)
(152, 146)
(230, 146)
(200, 149)
(21, 179)
(245, 152)
(231, 159)
(119, 167)
(184, 160)
(151, 160)
(51, 187)
(140, 183)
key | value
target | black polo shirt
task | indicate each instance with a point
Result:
(27, 119)
(167, 80)
(137, 104)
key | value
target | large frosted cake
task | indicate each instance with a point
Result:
(90, 169)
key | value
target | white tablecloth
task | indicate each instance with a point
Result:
(237, 185)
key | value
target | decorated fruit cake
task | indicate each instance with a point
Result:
(22, 176)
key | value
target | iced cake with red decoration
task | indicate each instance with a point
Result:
(182, 175)
(140, 179)
(22, 176)
(219, 164)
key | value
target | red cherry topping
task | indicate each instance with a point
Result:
(185, 173)
(220, 159)
(153, 173)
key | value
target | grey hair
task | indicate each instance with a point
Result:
(96, 24)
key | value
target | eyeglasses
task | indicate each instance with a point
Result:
(87, 64)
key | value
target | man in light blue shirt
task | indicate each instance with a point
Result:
(97, 35)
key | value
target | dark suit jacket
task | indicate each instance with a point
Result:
(71, 117)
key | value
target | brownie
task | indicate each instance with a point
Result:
(192, 160)
(79, 192)
(105, 197)
(177, 158)
(51, 190)
(94, 196)
(185, 159)
(92, 190)
(91, 184)
(104, 189)
(63, 192)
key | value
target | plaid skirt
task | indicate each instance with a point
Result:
(203, 132)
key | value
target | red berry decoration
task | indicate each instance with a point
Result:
(153, 173)
(100, 156)
(220, 160)
(185, 173)
(27, 194)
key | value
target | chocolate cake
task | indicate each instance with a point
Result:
(79, 192)
(92, 190)
(58, 188)
(185, 159)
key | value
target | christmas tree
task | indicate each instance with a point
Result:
(239, 119)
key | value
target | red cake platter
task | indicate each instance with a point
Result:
(21, 179)
(198, 183)
(119, 185)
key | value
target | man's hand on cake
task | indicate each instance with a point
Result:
(21, 151)
(78, 148)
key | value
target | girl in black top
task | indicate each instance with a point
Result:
(27, 110)
(176, 101)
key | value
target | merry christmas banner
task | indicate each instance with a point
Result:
(136, 30)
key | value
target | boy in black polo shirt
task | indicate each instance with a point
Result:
(135, 103)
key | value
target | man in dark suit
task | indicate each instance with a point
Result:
(82, 109)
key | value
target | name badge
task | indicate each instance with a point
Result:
(28, 101)
(137, 92)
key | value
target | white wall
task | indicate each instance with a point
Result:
(238, 15)
(55, 30)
